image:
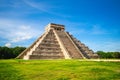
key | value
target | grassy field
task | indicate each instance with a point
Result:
(58, 70)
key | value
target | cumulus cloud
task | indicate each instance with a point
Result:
(14, 31)
(8, 44)
(23, 33)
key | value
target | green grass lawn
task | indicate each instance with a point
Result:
(58, 70)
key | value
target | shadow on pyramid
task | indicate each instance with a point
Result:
(56, 43)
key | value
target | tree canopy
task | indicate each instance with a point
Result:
(108, 55)
(8, 53)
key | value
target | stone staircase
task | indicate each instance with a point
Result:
(48, 48)
(69, 45)
(24, 53)
(56, 43)
(88, 53)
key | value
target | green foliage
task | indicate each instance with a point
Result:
(8, 53)
(18, 50)
(58, 70)
(108, 55)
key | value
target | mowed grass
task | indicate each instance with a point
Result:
(58, 70)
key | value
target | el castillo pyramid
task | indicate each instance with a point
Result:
(56, 43)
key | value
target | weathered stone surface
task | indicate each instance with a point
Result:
(56, 43)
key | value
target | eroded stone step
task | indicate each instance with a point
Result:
(45, 57)
(69, 45)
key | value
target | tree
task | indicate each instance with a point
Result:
(116, 55)
(5, 53)
(17, 50)
(108, 55)
(101, 54)
(8, 53)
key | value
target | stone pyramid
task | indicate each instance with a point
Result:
(56, 43)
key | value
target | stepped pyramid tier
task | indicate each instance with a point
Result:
(56, 43)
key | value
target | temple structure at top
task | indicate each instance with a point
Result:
(56, 43)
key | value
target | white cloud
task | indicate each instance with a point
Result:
(8, 44)
(24, 33)
(15, 31)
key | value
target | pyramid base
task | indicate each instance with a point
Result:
(42, 57)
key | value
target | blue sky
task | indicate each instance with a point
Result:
(96, 23)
